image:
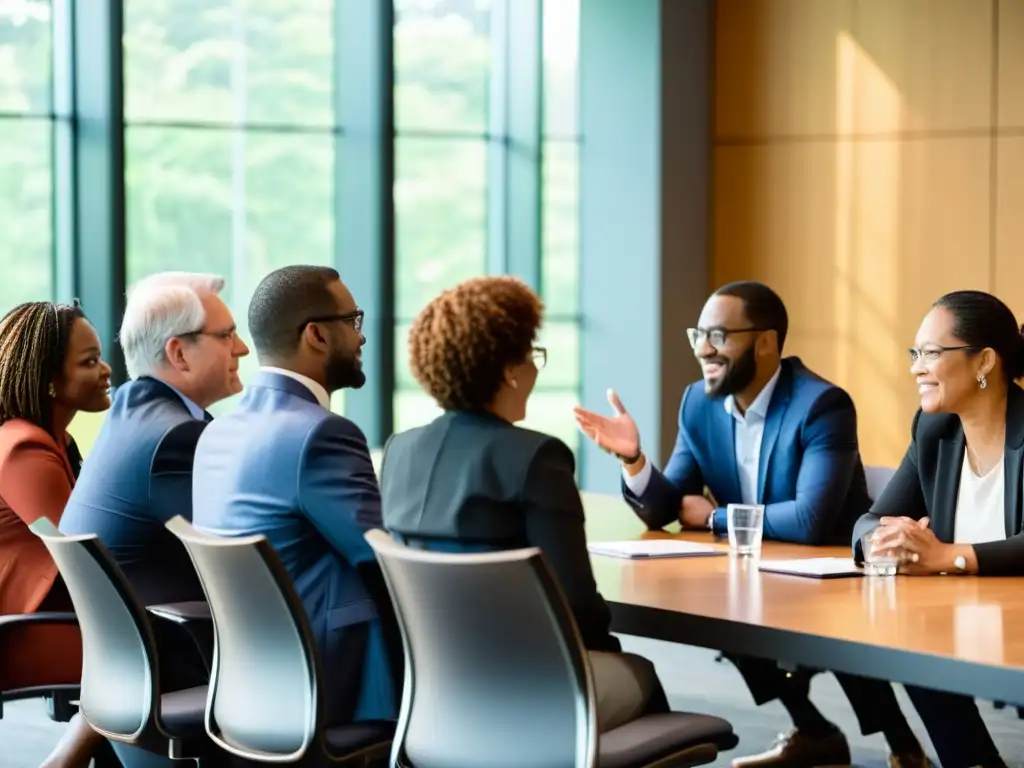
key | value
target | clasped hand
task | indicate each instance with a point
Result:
(912, 542)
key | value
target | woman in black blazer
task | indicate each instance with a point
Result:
(954, 504)
(473, 481)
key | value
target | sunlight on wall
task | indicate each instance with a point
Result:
(868, 358)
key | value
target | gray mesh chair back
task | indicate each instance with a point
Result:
(495, 669)
(119, 682)
(264, 700)
(877, 478)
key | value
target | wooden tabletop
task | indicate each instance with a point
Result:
(904, 628)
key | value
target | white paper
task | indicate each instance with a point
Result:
(653, 548)
(813, 566)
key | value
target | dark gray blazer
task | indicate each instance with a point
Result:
(928, 480)
(472, 482)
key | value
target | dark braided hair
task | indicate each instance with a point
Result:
(33, 346)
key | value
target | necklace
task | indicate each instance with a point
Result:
(978, 471)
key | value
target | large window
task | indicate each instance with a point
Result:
(256, 136)
(26, 152)
(229, 139)
(452, 58)
(558, 386)
(442, 81)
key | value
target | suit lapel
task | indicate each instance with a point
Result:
(724, 450)
(1013, 456)
(947, 483)
(773, 424)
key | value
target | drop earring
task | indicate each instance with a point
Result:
(982, 381)
(51, 391)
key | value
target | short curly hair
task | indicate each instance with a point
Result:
(462, 341)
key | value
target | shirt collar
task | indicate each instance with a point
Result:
(193, 409)
(316, 388)
(761, 402)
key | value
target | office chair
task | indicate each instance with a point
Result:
(266, 686)
(496, 673)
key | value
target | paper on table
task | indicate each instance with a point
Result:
(635, 550)
(814, 567)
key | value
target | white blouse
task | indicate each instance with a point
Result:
(979, 506)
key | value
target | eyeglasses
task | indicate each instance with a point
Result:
(716, 337)
(228, 334)
(539, 355)
(932, 354)
(354, 318)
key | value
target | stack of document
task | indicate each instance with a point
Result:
(813, 567)
(638, 550)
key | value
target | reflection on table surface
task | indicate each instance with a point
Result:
(965, 617)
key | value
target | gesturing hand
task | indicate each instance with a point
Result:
(616, 434)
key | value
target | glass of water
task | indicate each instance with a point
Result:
(746, 524)
(878, 563)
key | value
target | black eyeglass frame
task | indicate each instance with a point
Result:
(355, 318)
(937, 351)
(692, 335)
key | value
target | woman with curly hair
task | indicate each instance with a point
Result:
(472, 481)
(51, 367)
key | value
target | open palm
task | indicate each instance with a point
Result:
(616, 434)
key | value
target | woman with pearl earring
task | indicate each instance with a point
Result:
(954, 505)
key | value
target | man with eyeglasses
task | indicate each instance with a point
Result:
(181, 351)
(282, 465)
(792, 438)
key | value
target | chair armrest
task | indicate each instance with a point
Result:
(195, 619)
(16, 621)
(183, 613)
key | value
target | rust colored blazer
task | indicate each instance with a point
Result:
(36, 477)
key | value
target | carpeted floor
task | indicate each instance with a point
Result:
(26, 735)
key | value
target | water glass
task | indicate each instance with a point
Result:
(746, 524)
(878, 564)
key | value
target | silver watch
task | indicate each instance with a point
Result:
(711, 521)
(960, 563)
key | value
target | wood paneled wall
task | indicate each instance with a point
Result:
(869, 157)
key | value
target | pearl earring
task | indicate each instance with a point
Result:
(982, 381)
(515, 384)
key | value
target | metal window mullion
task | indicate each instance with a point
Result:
(63, 150)
(98, 164)
(364, 172)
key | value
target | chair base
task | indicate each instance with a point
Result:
(61, 700)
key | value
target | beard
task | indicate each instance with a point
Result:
(343, 371)
(737, 375)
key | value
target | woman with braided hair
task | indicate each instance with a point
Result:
(51, 367)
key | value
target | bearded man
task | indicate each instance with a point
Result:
(282, 465)
(762, 429)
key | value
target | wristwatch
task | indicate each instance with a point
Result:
(711, 521)
(960, 562)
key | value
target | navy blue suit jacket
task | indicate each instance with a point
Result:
(810, 476)
(137, 477)
(282, 466)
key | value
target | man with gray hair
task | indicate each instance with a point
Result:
(181, 349)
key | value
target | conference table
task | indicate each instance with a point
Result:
(961, 634)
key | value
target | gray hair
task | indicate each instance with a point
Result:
(160, 307)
